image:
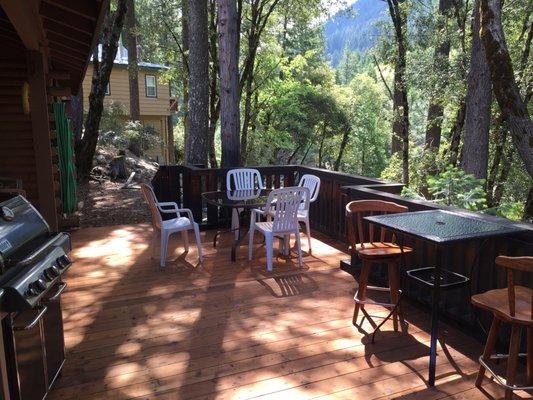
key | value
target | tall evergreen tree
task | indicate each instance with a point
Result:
(229, 82)
(198, 109)
(133, 66)
(478, 102)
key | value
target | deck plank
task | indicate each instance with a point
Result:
(225, 330)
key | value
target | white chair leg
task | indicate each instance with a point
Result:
(235, 223)
(269, 250)
(308, 232)
(286, 245)
(164, 245)
(185, 236)
(251, 242)
(299, 248)
(155, 240)
(198, 242)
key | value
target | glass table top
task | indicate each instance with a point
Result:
(253, 198)
(441, 226)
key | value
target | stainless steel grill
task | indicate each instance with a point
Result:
(32, 262)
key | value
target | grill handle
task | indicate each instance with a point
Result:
(61, 289)
(42, 311)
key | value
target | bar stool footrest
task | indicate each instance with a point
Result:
(448, 279)
(497, 377)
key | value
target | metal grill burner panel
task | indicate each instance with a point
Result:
(31, 283)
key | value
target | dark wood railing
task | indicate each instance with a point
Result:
(184, 185)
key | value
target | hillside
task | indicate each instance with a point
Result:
(355, 28)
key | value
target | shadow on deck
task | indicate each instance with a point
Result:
(233, 330)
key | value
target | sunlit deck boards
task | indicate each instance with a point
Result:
(231, 330)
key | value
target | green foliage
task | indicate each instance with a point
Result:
(116, 130)
(512, 211)
(141, 138)
(453, 187)
(112, 122)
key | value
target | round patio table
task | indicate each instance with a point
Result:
(240, 201)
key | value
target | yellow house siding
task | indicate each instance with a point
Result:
(154, 110)
(119, 86)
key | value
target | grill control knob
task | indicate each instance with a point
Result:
(52, 272)
(64, 261)
(36, 287)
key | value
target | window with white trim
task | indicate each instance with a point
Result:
(151, 85)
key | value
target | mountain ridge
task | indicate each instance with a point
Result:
(354, 29)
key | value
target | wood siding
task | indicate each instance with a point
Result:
(17, 157)
(120, 91)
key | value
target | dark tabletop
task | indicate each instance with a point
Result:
(238, 198)
(441, 226)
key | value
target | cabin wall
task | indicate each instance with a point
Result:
(27, 152)
(17, 155)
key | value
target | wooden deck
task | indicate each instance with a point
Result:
(231, 330)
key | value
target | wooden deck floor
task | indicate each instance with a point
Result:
(231, 330)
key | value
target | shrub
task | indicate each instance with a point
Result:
(454, 187)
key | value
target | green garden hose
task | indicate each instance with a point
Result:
(67, 175)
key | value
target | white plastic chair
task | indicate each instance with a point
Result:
(242, 179)
(284, 204)
(164, 229)
(312, 183)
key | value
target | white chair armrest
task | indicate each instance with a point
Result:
(188, 212)
(174, 210)
(174, 207)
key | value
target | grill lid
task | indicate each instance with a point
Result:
(20, 226)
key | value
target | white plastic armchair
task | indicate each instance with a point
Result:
(284, 204)
(164, 228)
(242, 179)
(312, 183)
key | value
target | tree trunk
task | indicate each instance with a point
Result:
(400, 126)
(111, 30)
(502, 177)
(185, 72)
(513, 108)
(198, 110)
(214, 99)
(478, 102)
(440, 63)
(344, 142)
(133, 67)
(528, 209)
(229, 82)
(75, 114)
(248, 91)
(499, 140)
(456, 132)
(171, 147)
(321, 148)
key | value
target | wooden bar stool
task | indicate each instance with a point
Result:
(513, 305)
(372, 248)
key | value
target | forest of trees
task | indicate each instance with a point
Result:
(439, 100)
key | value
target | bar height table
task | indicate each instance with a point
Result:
(440, 228)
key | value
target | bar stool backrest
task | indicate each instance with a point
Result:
(512, 264)
(355, 227)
